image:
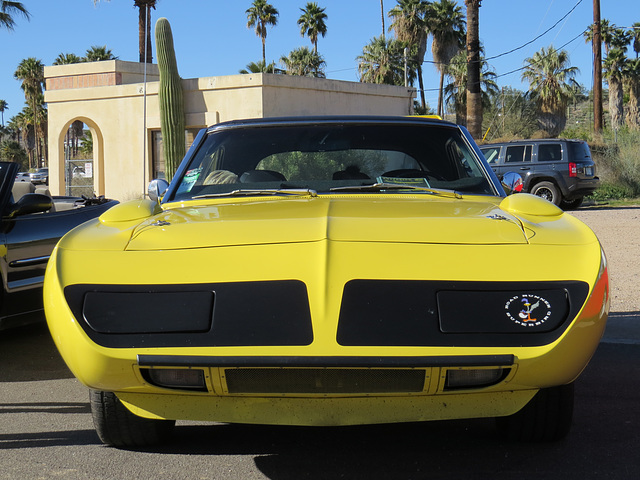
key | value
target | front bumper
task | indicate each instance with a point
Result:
(328, 367)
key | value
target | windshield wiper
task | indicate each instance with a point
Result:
(304, 192)
(378, 187)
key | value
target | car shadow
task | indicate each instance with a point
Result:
(29, 354)
(64, 438)
(606, 207)
(603, 440)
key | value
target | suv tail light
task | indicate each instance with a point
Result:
(573, 169)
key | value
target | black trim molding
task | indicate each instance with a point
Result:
(312, 361)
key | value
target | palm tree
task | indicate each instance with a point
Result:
(447, 26)
(13, 126)
(67, 58)
(632, 80)
(7, 9)
(410, 28)
(76, 129)
(382, 61)
(30, 72)
(12, 151)
(98, 54)
(304, 62)
(474, 96)
(259, 67)
(144, 27)
(382, 15)
(456, 91)
(635, 36)
(551, 80)
(312, 23)
(614, 66)
(612, 36)
(3, 106)
(262, 15)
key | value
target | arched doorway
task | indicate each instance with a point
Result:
(81, 154)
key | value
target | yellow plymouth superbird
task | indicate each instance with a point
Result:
(329, 271)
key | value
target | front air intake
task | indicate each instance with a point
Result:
(323, 381)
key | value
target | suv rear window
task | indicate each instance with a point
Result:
(549, 152)
(519, 153)
(579, 150)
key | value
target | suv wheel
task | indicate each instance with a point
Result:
(548, 191)
(571, 204)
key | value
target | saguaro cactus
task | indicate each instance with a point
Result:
(170, 98)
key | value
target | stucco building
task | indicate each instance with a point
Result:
(118, 102)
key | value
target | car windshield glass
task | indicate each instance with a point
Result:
(323, 158)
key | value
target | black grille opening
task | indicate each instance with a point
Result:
(324, 380)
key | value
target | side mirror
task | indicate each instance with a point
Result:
(30, 203)
(512, 182)
(157, 188)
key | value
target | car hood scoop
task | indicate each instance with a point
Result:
(343, 218)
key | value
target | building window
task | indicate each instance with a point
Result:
(157, 155)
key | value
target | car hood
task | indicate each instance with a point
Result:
(348, 219)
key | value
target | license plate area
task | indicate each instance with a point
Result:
(324, 381)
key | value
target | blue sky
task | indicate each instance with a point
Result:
(211, 37)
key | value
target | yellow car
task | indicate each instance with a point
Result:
(329, 271)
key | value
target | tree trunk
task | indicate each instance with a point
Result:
(36, 139)
(633, 109)
(616, 108)
(382, 16)
(441, 93)
(461, 115)
(421, 84)
(597, 69)
(144, 33)
(474, 94)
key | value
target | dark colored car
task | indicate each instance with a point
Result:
(558, 170)
(31, 225)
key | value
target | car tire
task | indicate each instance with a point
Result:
(546, 418)
(571, 204)
(118, 427)
(548, 191)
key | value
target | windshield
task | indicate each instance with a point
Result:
(335, 157)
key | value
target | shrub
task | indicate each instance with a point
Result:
(609, 191)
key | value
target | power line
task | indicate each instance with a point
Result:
(559, 48)
(539, 36)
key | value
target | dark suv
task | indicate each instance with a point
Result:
(560, 171)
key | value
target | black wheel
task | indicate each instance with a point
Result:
(546, 418)
(571, 204)
(118, 427)
(548, 191)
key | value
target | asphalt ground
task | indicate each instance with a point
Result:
(46, 432)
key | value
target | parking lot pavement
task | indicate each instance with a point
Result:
(46, 432)
(623, 327)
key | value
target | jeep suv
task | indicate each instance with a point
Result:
(560, 171)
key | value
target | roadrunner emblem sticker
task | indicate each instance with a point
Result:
(528, 310)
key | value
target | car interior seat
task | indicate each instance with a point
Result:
(262, 176)
(20, 189)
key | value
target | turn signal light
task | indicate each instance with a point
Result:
(178, 378)
(474, 378)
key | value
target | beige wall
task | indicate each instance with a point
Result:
(110, 98)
